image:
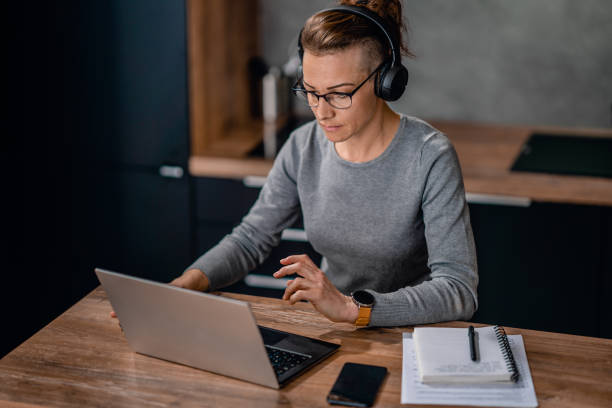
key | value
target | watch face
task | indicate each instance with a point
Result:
(363, 297)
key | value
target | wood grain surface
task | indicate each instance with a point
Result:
(221, 38)
(82, 359)
(486, 153)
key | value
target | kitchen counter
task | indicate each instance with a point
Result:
(486, 153)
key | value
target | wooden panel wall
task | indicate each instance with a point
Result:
(222, 36)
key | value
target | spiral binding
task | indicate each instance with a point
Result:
(502, 339)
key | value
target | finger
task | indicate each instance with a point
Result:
(298, 296)
(296, 268)
(302, 259)
(298, 258)
(291, 287)
(284, 271)
(297, 284)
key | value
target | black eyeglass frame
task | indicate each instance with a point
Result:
(296, 88)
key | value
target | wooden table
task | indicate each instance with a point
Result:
(82, 359)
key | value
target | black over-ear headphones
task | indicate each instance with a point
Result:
(393, 76)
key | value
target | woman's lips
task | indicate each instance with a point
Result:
(330, 128)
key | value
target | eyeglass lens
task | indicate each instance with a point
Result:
(336, 100)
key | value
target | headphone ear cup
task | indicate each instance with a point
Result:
(392, 82)
(378, 84)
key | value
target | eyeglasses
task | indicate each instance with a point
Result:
(338, 100)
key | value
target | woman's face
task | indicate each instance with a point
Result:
(342, 71)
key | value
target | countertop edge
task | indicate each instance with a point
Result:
(483, 175)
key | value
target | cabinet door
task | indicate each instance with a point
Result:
(223, 200)
(605, 292)
(146, 41)
(538, 266)
(145, 224)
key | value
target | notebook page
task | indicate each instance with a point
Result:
(443, 355)
(520, 394)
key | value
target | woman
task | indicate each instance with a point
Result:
(381, 194)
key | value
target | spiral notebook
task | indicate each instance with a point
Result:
(494, 394)
(443, 355)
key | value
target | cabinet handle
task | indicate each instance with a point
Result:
(171, 171)
(474, 198)
(264, 281)
(294, 234)
(254, 181)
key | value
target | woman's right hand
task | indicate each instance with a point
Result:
(193, 279)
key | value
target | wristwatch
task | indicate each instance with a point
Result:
(365, 301)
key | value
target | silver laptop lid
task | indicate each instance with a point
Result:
(197, 329)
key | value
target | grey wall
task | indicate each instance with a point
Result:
(541, 62)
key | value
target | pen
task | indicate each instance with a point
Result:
(472, 343)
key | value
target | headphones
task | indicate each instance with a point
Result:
(393, 76)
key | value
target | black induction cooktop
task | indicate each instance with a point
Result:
(566, 154)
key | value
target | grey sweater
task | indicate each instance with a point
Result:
(397, 226)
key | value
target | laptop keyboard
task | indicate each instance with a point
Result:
(283, 360)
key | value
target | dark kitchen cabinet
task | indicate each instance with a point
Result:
(148, 230)
(99, 163)
(605, 288)
(543, 267)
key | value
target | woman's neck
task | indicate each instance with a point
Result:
(373, 140)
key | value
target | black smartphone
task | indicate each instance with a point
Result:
(357, 385)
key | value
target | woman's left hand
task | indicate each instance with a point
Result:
(311, 284)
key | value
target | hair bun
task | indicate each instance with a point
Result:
(372, 5)
(387, 9)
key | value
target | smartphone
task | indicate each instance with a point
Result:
(357, 385)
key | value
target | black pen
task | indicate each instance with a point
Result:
(472, 343)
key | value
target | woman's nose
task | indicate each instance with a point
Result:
(324, 110)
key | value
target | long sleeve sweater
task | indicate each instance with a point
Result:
(397, 226)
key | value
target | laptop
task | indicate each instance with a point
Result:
(206, 331)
